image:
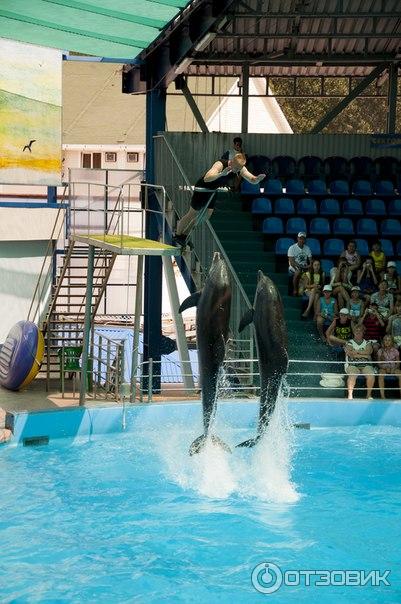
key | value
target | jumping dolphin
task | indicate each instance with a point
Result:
(267, 316)
(212, 318)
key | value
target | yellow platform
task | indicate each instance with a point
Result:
(127, 245)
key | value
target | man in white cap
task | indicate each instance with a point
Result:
(340, 331)
(299, 260)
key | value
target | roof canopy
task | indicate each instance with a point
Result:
(118, 29)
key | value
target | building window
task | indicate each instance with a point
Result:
(133, 157)
(110, 157)
(92, 160)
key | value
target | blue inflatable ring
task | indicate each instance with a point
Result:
(21, 355)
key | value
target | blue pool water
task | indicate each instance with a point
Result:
(131, 518)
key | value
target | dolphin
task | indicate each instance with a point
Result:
(267, 316)
(212, 318)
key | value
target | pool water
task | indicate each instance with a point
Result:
(131, 517)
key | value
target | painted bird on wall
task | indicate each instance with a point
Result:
(29, 145)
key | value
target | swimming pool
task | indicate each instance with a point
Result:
(129, 517)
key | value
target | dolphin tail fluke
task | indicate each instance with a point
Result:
(251, 442)
(200, 442)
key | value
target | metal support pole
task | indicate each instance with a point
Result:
(245, 98)
(87, 325)
(182, 344)
(347, 100)
(194, 107)
(137, 323)
(392, 98)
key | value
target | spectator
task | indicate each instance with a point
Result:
(236, 148)
(394, 324)
(312, 282)
(204, 199)
(299, 260)
(373, 324)
(390, 364)
(384, 300)
(359, 352)
(352, 257)
(325, 310)
(341, 282)
(366, 278)
(356, 304)
(391, 277)
(340, 330)
(378, 257)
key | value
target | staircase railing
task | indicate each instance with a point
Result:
(170, 174)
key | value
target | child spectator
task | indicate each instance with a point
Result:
(359, 351)
(340, 282)
(390, 364)
(352, 257)
(384, 300)
(373, 323)
(356, 304)
(313, 282)
(325, 309)
(378, 257)
(366, 278)
(340, 330)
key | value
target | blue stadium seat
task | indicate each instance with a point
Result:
(273, 186)
(387, 168)
(319, 226)
(294, 186)
(336, 167)
(247, 188)
(282, 246)
(273, 226)
(329, 207)
(398, 265)
(361, 167)
(339, 187)
(283, 166)
(317, 187)
(343, 227)
(314, 246)
(333, 247)
(310, 167)
(391, 227)
(362, 187)
(326, 265)
(283, 205)
(306, 205)
(261, 205)
(394, 207)
(385, 188)
(295, 225)
(375, 207)
(352, 207)
(387, 247)
(362, 247)
(366, 227)
(399, 249)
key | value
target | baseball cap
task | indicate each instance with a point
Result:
(356, 288)
(344, 311)
(302, 234)
(327, 288)
(390, 263)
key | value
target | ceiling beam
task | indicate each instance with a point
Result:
(311, 36)
(395, 14)
(293, 59)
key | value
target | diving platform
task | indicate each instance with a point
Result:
(127, 245)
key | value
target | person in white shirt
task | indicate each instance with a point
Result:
(299, 260)
(359, 351)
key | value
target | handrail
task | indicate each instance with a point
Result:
(47, 254)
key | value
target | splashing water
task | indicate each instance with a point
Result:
(262, 472)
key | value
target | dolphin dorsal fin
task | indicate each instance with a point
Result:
(246, 319)
(192, 300)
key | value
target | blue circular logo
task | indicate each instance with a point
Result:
(267, 577)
